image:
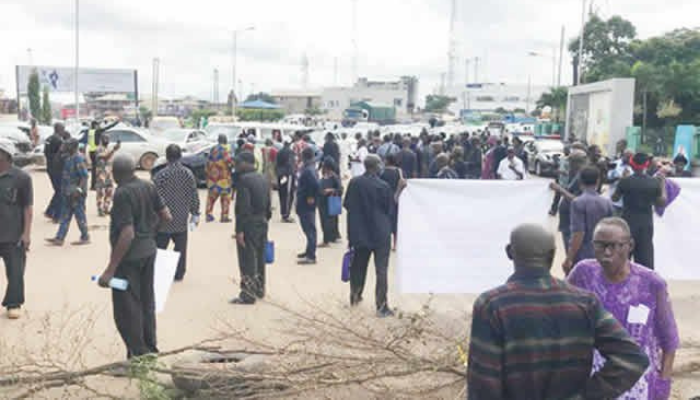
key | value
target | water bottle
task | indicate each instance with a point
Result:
(115, 283)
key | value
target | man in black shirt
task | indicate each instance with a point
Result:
(54, 168)
(253, 213)
(286, 179)
(306, 205)
(369, 204)
(331, 149)
(16, 213)
(640, 193)
(136, 213)
(408, 160)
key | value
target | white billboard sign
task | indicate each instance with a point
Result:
(59, 79)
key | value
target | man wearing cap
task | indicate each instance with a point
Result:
(511, 168)
(640, 193)
(74, 192)
(16, 213)
(253, 212)
(286, 179)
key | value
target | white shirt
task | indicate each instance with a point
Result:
(506, 173)
(357, 168)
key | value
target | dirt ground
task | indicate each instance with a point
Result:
(65, 310)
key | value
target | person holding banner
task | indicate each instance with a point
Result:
(638, 298)
(253, 212)
(137, 211)
(534, 337)
(369, 204)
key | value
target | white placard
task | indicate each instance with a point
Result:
(453, 233)
(164, 273)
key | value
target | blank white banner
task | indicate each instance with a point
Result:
(453, 233)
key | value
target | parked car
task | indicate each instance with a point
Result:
(144, 148)
(544, 155)
(19, 159)
(195, 161)
(162, 124)
(20, 142)
(189, 140)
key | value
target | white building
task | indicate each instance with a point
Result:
(488, 97)
(401, 94)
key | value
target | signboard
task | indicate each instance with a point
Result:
(59, 79)
(684, 143)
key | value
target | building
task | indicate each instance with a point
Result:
(110, 104)
(401, 94)
(298, 102)
(489, 97)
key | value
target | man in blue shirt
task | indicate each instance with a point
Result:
(307, 190)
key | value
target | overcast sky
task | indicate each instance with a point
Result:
(396, 37)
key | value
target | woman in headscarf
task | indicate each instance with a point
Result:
(489, 168)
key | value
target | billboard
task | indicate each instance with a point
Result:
(59, 79)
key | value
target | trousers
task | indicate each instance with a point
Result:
(251, 262)
(14, 257)
(643, 235)
(73, 208)
(135, 307)
(358, 273)
(286, 192)
(307, 219)
(179, 240)
(93, 169)
(54, 208)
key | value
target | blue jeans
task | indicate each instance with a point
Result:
(71, 208)
(308, 225)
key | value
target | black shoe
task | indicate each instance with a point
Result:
(240, 301)
(288, 220)
(306, 261)
(301, 255)
(384, 312)
(354, 301)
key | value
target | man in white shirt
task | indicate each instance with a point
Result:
(511, 168)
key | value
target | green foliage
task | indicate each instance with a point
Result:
(33, 93)
(261, 96)
(249, 114)
(197, 115)
(145, 113)
(45, 108)
(437, 103)
(555, 98)
(141, 369)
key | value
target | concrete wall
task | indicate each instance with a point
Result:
(297, 104)
(600, 113)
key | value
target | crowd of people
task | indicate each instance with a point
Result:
(531, 338)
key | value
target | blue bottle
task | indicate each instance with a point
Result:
(115, 283)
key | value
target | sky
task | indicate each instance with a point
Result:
(395, 38)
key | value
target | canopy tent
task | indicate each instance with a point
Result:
(260, 105)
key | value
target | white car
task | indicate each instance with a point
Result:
(189, 140)
(144, 148)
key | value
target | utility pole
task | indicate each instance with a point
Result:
(355, 46)
(476, 69)
(215, 98)
(156, 73)
(580, 43)
(451, 55)
(466, 70)
(304, 71)
(335, 71)
(77, 60)
(235, 60)
(561, 54)
(529, 90)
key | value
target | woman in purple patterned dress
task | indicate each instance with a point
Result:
(638, 298)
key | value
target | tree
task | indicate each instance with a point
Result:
(555, 98)
(501, 110)
(262, 97)
(45, 108)
(438, 103)
(33, 93)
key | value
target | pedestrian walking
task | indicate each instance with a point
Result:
(137, 211)
(105, 181)
(306, 205)
(638, 298)
(285, 167)
(74, 193)
(253, 212)
(269, 156)
(357, 158)
(219, 180)
(16, 215)
(534, 337)
(92, 140)
(54, 168)
(369, 203)
(177, 187)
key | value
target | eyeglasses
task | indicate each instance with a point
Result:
(602, 246)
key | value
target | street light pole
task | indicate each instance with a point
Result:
(77, 60)
(235, 60)
(579, 66)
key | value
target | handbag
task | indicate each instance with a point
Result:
(347, 261)
(269, 252)
(335, 206)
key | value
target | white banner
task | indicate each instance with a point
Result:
(453, 233)
(59, 79)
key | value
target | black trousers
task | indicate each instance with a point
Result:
(643, 235)
(358, 273)
(329, 224)
(54, 208)
(93, 169)
(15, 259)
(307, 220)
(179, 239)
(135, 307)
(286, 192)
(251, 262)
